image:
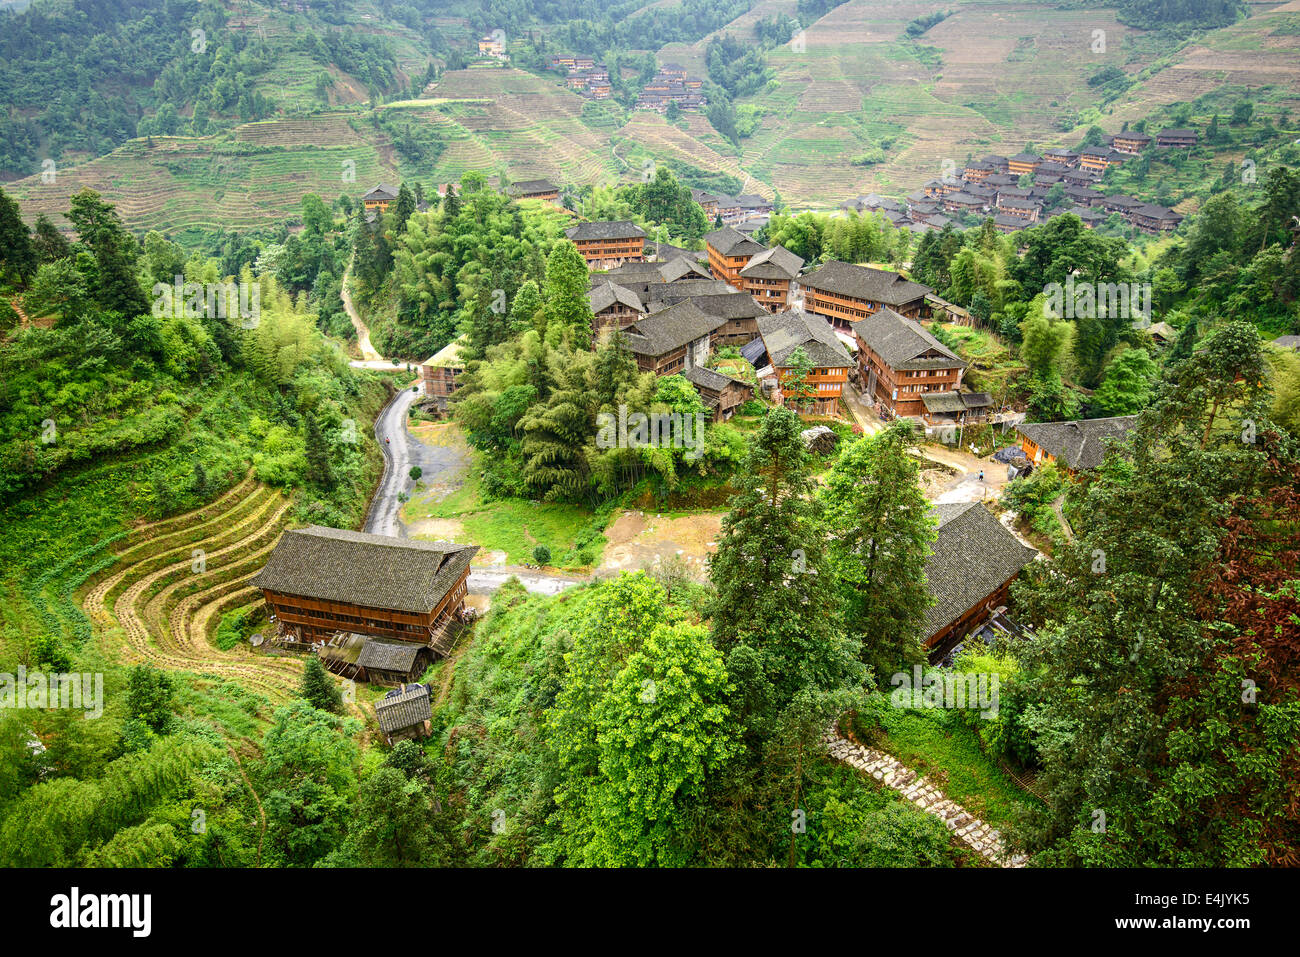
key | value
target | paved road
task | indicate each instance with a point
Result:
(402, 450)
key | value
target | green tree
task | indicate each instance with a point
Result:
(18, 257)
(1126, 386)
(881, 537)
(318, 688)
(567, 310)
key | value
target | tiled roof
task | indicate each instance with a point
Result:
(973, 556)
(732, 242)
(375, 571)
(670, 329)
(1080, 444)
(904, 343)
(775, 263)
(709, 379)
(605, 294)
(381, 192)
(620, 229)
(786, 331)
(725, 305)
(533, 186)
(388, 655)
(956, 401)
(410, 706)
(862, 282)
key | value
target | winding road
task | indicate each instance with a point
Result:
(438, 464)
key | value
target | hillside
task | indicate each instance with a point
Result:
(858, 109)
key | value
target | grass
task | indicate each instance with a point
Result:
(935, 743)
(514, 526)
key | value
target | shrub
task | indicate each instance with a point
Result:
(542, 555)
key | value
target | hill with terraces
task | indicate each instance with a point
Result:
(853, 107)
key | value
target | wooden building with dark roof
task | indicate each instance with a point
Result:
(321, 581)
(406, 712)
(1077, 445)
(608, 244)
(535, 189)
(721, 394)
(729, 251)
(842, 293)
(672, 340)
(785, 332)
(969, 573)
(899, 362)
(613, 306)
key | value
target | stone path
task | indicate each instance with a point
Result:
(984, 840)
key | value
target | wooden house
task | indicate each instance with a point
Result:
(1130, 142)
(404, 713)
(969, 572)
(729, 251)
(1023, 164)
(322, 581)
(1078, 445)
(1026, 210)
(899, 362)
(999, 164)
(440, 373)
(1179, 138)
(738, 311)
(613, 306)
(842, 293)
(608, 244)
(1098, 159)
(708, 202)
(782, 334)
(956, 408)
(535, 189)
(1154, 219)
(721, 394)
(380, 198)
(768, 277)
(1067, 158)
(672, 340)
(963, 202)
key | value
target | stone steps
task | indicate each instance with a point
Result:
(984, 840)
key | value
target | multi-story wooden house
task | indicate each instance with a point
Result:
(1179, 138)
(729, 251)
(608, 244)
(1027, 210)
(672, 340)
(1154, 219)
(768, 277)
(738, 311)
(1057, 154)
(1130, 142)
(320, 581)
(534, 189)
(1000, 164)
(613, 306)
(842, 293)
(969, 572)
(380, 198)
(1098, 159)
(1023, 164)
(783, 335)
(899, 362)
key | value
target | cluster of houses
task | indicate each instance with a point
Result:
(992, 186)
(672, 85)
(583, 75)
(748, 212)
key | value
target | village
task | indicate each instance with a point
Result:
(836, 341)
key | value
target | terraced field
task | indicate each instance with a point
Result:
(254, 176)
(170, 582)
